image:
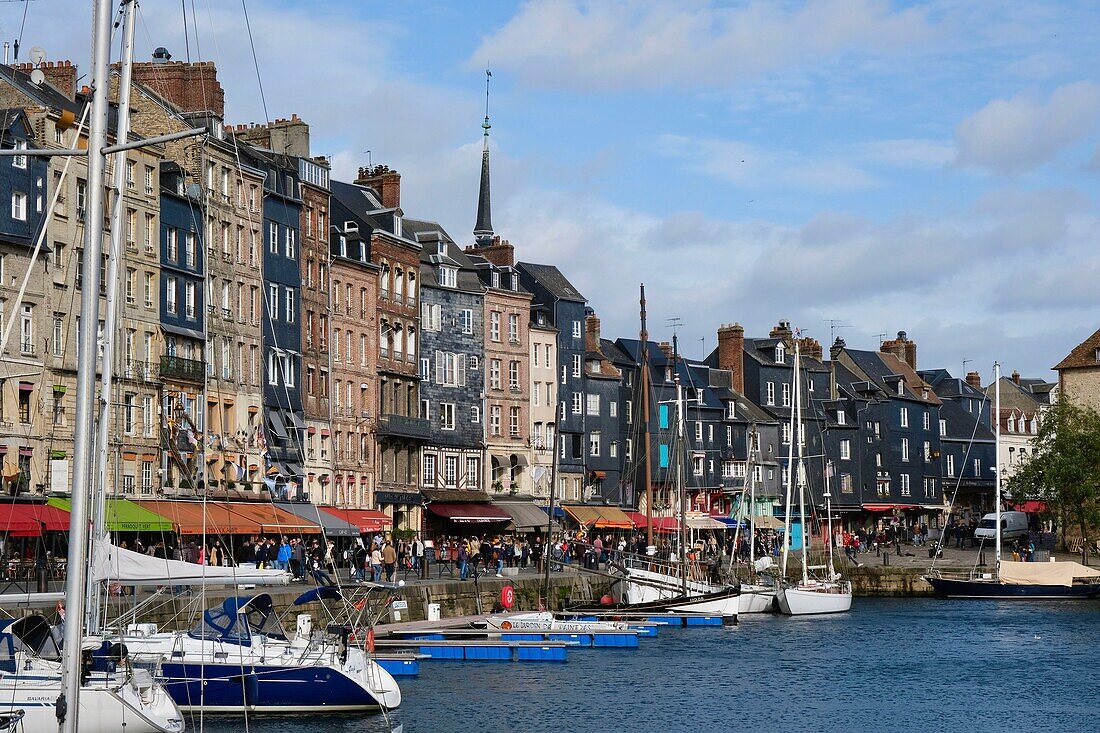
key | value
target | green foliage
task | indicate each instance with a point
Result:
(1064, 467)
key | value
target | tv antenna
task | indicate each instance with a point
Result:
(835, 324)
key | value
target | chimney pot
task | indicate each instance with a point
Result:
(731, 354)
(974, 380)
(1015, 376)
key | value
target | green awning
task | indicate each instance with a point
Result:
(125, 516)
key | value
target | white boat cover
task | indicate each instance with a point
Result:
(1045, 573)
(110, 563)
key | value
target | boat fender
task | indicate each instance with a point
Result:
(370, 640)
(61, 708)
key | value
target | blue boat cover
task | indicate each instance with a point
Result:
(324, 592)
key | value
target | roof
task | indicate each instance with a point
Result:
(945, 385)
(550, 277)
(45, 95)
(763, 351)
(1015, 396)
(1084, 354)
(961, 424)
(879, 368)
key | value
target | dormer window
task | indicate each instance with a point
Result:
(1012, 423)
(780, 353)
(442, 248)
(841, 417)
(1097, 354)
(343, 246)
(495, 279)
(515, 281)
(448, 277)
(901, 388)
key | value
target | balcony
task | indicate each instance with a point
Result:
(402, 426)
(176, 367)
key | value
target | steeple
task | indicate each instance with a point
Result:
(483, 229)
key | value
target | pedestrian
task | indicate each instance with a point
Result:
(463, 561)
(318, 565)
(297, 558)
(389, 561)
(417, 554)
(359, 562)
(376, 563)
(282, 557)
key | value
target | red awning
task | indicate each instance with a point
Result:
(29, 520)
(888, 507)
(639, 519)
(367, 520)
(666, 524)
(1031, 506)
(470, 512)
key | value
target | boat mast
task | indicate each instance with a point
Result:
(997, 458)
(829, 518)
(753, 458)
(643, 335)
(547, 555)
(68, 704)
(790, 481)
(681, 492)
(797, 437)
(93, 609)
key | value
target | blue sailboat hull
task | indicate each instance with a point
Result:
(951, 588)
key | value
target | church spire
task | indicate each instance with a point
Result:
(483, 229)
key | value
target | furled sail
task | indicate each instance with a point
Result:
(110, 563)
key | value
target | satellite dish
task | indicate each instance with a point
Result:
(37, 55)
(37, 77)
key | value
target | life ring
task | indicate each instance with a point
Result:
(506, 625)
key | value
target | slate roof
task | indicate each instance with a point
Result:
(878, 366)
(961, 424)
(945, 385)
(45, 95)
(1015, 397)
(550, 277)
(763, 351)
(1083, 354)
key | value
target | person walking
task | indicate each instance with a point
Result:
(463, 561)
(359, 562)
(376, 563)
(318, 565)
(282, 557)
(417, 550)
(389, 561)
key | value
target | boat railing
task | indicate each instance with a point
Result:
(967, 574)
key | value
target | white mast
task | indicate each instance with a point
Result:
(997, 457)
(680, 493)
(69, 703)
(790, 477)
(122, 134)
(829, 517)
(797, 437)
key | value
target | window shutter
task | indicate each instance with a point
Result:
(460, 378)
(439, 367)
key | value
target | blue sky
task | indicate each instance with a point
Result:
(927, 167)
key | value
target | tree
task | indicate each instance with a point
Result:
(1064, 468)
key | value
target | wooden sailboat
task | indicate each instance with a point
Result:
(1009, 579)
(808, 595)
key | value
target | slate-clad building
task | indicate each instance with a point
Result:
(603, 419)
(452, 375)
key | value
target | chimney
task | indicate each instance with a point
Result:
(385, 183)
(731, 354)
(61, 75)
(974, 380)
(500, 252)
(193, 87)
(902, 348)
(666, 349)
(783, 331)
(283, 136)
(1015, 376)
(811, 348)
(836, 348)
(591, 332)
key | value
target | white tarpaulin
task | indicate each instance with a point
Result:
(1045, 573)
(110, 563)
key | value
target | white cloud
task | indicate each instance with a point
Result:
(748, 166)
(1022, 133)
(657, 44)
(908, 153)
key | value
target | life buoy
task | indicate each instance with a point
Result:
(506, 625)
(370, 640)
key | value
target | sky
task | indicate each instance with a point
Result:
(856, 167)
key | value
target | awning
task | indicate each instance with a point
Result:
(271, 518)
(521, 459)
(181, 331)
(367, 520)
(295, 420)
(293, 469)
(600, 517)
(639, 519)
(526, 516)
(330, 524)
(1031, 506)
(121, 515)
(26, 519)
(469, 512)
(888, 507)
(668, 525)
(195, 517)
(704, 522)
(732, 523)
(277, 425)
(601, 475)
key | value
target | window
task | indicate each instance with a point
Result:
(951, 465)
(786, 395)
(927, 452)
(925, 419)
(977, 468)
(450, 471)
(273, 301)
(905, 449)
(291, 243)
(905, 484)
(58, 336)
(425, 368)
(20, 161)
(466, 318)
(272, 237)
(576, 403)
(513, 422)
(431, 317)
(494, 420)
(576, 365)
(448, 277)
(905, 417)
(513, 328)
(613, 409)
(447, 415)
(427, 472)
(189, 299)
(513, 375)
(494, 373)
(697, 464)
(576, 329)
(475, 414)
(943, 428)
(662, 417)
(593, 405)
(841, 417)
(846, 483)
(845, 450)
(473, 473)
(769, 398)
(131, 285)
(698, 432)
(594, 444)
(786, 432)
(780, 353)
(290, 309)
(494, 326)
(170, 294)
(19, 206)
(536, 394)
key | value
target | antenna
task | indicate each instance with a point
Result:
(881, 337)
(674, 323)
(485, 125)
(965, 362)
(835, 324)
(369, 163)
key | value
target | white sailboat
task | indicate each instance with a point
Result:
(809, 595)
(757, 596)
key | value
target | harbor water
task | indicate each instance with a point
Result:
(899, 665)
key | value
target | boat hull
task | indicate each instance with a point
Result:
(992, 589)
(546, 621)
(817, 599)
(756, 598)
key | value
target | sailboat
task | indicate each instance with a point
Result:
(1009, 579)
(757, 596)
(672, 586)
(809, 595)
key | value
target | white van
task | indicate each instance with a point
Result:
(1013, 525)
